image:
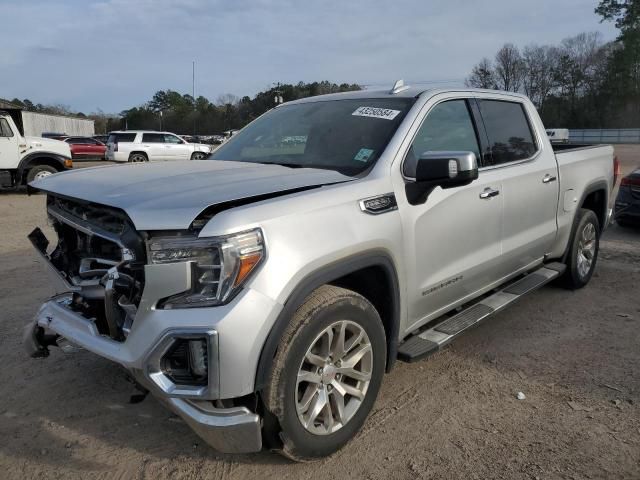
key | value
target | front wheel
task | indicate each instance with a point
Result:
(39, 172)
(326, 374)
(584, 250)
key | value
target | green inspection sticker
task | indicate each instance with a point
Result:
(363, 155)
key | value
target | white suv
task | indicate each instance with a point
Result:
(143, 146)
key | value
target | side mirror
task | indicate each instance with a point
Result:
(446, 169)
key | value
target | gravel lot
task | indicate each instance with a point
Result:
(575, 355)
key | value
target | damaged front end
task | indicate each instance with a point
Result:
(99, 258)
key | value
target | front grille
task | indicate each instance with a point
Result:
(92, 241)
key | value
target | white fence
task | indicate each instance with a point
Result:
(614, 135)
(35, 124)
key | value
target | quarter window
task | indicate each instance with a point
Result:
(448, 127)
(5, 129)
(508, 130)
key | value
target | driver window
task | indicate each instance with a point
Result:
(172, 139)
(448, 127)
(5, 129)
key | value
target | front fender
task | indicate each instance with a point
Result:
(60, 162)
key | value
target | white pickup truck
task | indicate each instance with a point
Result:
(262, 293)
(24, 159)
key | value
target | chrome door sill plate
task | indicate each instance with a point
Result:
(432, 340)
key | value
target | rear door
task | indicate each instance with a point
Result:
(529, 179)
(9, 156)
(454, 237)
(154, 145)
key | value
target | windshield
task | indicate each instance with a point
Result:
(343, 135)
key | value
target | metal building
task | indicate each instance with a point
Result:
(34, 124)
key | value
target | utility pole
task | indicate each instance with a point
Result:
(193, 92)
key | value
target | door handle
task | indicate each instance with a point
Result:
(549, 178)
(489, 192)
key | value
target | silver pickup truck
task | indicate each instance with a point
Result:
(262, 293)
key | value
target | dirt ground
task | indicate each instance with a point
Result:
(575, 355)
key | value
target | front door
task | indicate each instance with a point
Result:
(9, 153)
(178, 148)
(453, 239)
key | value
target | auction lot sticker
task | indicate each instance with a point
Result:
(376, 112)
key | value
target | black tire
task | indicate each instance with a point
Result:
(322, 309)
(576, 277)
(138, 157)
(40, 171)
(198, 155)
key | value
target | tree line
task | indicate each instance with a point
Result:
(181, 113)
(581, 83)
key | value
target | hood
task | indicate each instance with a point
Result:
(170, 195)
(39, 144)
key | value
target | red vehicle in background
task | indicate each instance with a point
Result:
(86, 148)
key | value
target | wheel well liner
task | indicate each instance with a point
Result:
(360, 273)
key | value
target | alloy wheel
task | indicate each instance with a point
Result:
(586, 249)
(333, 377)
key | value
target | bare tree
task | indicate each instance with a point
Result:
(509, 68)
(482, 75)
(227, 99)
(540, 64)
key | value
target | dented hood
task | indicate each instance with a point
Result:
(170, 195)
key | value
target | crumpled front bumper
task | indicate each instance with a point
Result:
(228, 430)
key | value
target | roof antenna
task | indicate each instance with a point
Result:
(398, 87)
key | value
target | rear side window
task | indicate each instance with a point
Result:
(121, 137)
(153, 138)
(509, 132)
(5, 129)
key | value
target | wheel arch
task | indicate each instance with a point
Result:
(361, 273)
(595, 198)
(141, 152)
(39, 158)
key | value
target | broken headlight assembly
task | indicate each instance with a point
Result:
(219, 265)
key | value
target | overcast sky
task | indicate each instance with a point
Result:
(114, 54)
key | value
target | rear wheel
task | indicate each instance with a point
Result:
(138, 157)
(584, 250)
(39, 172)
(326, 374)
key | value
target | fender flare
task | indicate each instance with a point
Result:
(316, 279)
(32, 158)
(593, 187)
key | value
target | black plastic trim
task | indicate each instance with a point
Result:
(594, 187)
(321, 277)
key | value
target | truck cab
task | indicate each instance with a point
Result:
(24, 159)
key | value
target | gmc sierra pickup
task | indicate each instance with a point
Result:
(262, 293)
